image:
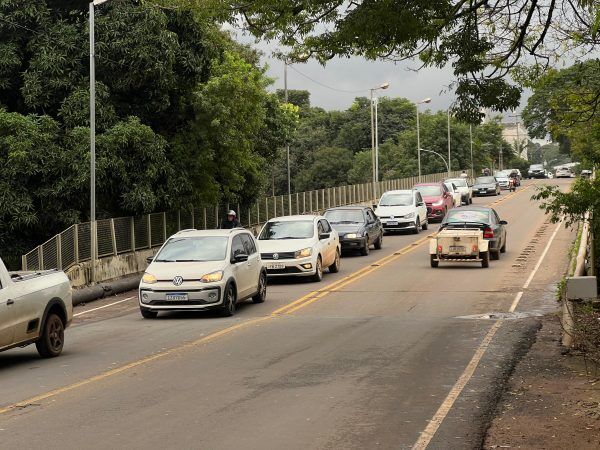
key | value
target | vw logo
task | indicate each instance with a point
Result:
(275, 255)
(177, 281)
(392, 217)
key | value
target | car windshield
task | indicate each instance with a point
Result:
(193, 249)
(429, 190)
(458, 182)
(502, 174)
(345, 216)
(297, 229)
(450, 187)
(465, 215)
(485, 180)
(397, 199)
(536, 167)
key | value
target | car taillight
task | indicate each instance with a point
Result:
(488, 233)
(440, 248)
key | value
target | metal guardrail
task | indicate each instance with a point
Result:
(129, 234)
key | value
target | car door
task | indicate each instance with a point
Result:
(240, 269)
(499, 228)
(254, 265)
(371, 225)
(7, 318)
(328, 245)
(421, 209)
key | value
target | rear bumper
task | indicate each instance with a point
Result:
(353, 244)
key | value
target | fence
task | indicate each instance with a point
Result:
(129, 234)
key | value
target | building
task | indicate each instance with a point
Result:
(514, 133)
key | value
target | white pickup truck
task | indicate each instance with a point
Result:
(35, 307)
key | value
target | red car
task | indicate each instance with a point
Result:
(437, 198)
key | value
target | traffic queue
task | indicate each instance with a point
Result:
(217, 269)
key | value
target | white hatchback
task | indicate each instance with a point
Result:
(200, 270)
(402, 210)
(299, 246)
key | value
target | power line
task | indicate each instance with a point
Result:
(324, 85)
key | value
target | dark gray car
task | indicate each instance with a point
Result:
(357, 226)
(486, 186)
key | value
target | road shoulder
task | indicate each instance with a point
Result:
(549, 401)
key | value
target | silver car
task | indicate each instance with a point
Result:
(200, 270)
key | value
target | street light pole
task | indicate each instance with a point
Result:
(374, 136)
(449, 159)
(438, 154)
(471, 145)
(427, 100)
(287, 147)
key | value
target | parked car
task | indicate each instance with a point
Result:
(402, 210)
(437, 199)
(299, 246)
(536, 171)
(456, 195)
(464, 187)
(482, 217)
(357, 226)
(585, 173)
(203, 270)
(485, 186)
(564, 172)
(35, 308)
(503, 179)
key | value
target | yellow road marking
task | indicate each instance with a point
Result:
(288, 309)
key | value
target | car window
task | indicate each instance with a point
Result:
(345, 216)
(203, 248)
(419, 197)
(320, 227)
(458, 182)
(430, 190)
(325, 225)
(248, 243)
(372, 216)
(298, 229)
(485, 180)
(495, 216)
(396, 199)
(470, 216)
(237, 246)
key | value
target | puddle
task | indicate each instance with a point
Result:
(503, 315)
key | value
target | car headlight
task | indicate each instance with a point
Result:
(439, 203)
(212, 277)
(148, 278)
(353, 235)
(303, 253)
(409, 215)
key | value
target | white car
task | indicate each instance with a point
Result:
(564, 172)
(200, 270)
(502, 177)
(456, 195)
(299, 246)
(402, 210)
(464, 187)
(35, 307)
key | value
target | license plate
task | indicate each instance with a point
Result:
(393, 223)
(275, 266)
(482, 190)
(456, 249)
(177, 297)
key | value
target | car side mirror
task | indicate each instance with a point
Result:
(149, 259)
(324, 236)
(420, 204)
(503, 222)
(240, 257)
(374, 205)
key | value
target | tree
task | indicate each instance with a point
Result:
(330, 168)
(482, 41)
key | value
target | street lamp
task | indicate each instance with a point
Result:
(426, 100)
(443, 159)
(374, 132)
(471, 146)
(449, 158)
(93, 235)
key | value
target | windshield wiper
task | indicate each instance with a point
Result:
(164, 260)
(189, 260)
(348, 221)
(289, 237)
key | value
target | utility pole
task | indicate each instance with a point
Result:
(287, 147)
(471, 145)
(449, 158)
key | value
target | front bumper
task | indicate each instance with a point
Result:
(154, 297)
(398, 224)
(487, 191)
(537, 175)
(291, 267)
(435, 212)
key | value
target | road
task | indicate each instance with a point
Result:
(380, 355)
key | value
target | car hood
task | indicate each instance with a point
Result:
(502, 179)
(397, 211)
(166, 271)
(435, 198)
(343, 228)
(284, 245)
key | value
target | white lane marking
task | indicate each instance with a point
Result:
(102, 307)
(428, 433)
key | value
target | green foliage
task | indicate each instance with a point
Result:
(330, 168)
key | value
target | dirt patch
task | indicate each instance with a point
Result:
(550, 401)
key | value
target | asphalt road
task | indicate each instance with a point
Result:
(381, 355)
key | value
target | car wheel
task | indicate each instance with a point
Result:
(425, 224)
(503, 248)
(365, 249)
(417, 228)
(318, 276)
(379, 242)
(52, 339)
(148, 314)
(228, 308)
(470, 200)
(494, 254)
(433, 261)
(335, 267)
(485, 259)
(261, 295)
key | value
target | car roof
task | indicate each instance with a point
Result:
(360, 208)
(200, 233)
(472, 208)
(399, 191)
(304, 217)
(429, 183)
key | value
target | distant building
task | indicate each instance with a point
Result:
(514, 133)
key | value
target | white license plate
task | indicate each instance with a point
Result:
(275, 266)
(457, 249)
(177, 297)
(393, 223)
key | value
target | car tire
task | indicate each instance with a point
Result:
(318, 276)
(229, 301)
(425, 224)
(379, 242)
(52, 338)
(148, 314)
(433, 261)
(417, 228)
(470, 200)
(365, 249)
(494, 254)
(503, 248)
(335, 267)
(261, 295)
(485, 259)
